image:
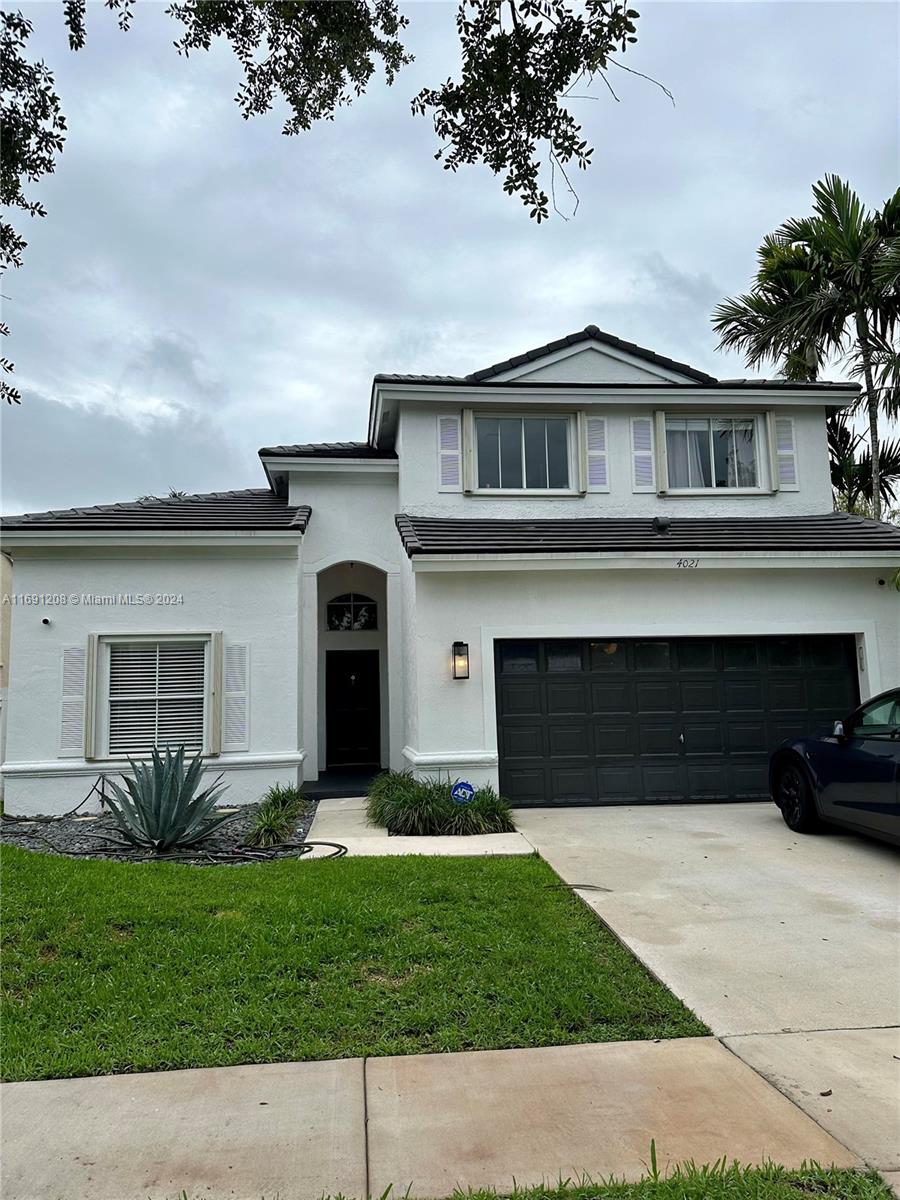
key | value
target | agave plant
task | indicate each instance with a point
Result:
(159, 810)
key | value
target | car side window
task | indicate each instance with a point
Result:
(881, 717)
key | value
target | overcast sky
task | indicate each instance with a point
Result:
(203, 286)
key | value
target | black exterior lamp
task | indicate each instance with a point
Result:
(460, 660)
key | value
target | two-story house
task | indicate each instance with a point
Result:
(588, 574)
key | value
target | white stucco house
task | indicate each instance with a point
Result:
(588, 574)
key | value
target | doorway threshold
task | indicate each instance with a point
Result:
(339, 783)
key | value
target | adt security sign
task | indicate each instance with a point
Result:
(462, 792)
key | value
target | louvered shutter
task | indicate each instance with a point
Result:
(72, 701)
(597, 463)
(785, 455)
(235, 698)
(157, 696)
(449, 454)
(643, 475)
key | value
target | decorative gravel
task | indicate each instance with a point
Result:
(96, 835)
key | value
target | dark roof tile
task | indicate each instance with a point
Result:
(252, 509)
(327, 450)
(825, 532)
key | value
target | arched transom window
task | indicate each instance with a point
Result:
(352, 611)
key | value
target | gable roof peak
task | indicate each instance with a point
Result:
(592, 333)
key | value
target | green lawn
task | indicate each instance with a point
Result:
(716, 1183)
(114, 967)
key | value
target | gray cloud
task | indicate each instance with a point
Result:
(203, 285)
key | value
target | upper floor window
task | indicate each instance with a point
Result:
(711, 452)
(351, 612)
(523, 453)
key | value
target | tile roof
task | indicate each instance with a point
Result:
(592, 333)
(822, 532)
(252, 509)
(327, 450)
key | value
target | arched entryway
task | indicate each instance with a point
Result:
(353, 732)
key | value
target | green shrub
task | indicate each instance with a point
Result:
(406, 805)
(157, 809)
(280, 808)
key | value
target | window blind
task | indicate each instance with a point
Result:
(157, 696)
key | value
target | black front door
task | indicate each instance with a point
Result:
(352, 708)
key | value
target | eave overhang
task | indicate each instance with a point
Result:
(740, 394)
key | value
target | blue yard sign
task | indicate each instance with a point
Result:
(462, 792)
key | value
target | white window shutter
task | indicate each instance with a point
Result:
(72, 702)
(449, 454)
(643, 477)
(597, 463)
(236, 698)
(785, 456)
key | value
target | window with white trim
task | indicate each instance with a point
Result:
(156, 694)
(711, 453)
(525, 453)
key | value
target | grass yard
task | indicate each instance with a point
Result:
(112, 967)
(728, 1182)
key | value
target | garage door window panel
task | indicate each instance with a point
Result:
(608, 656)
(652, 656)
(564, 656)
(518, 658)
(697, 656)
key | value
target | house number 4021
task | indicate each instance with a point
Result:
(687, 562)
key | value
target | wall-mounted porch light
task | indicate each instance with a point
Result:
(460, 660)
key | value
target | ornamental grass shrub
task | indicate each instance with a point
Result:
(419, 807)
(278, 812)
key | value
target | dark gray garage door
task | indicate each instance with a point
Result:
(614, 722)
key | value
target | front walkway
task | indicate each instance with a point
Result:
(345, 821)
(426, 1123)
(786, 945)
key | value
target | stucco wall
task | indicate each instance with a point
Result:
(251, 598)
(352, 522)
(418, 492)
(457, 718)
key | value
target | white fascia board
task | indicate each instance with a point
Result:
(662, 396)
(46, 538)
(648, 560)
(359, 466)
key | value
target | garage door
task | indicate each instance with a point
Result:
(623, 722)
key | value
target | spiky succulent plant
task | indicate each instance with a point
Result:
(157, 809)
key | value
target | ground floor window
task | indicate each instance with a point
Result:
(156, 694)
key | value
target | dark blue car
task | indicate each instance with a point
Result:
(848, 776)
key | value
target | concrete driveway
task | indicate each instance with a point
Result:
(788, 946)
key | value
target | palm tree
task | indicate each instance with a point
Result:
(826, 284)
(851, 472)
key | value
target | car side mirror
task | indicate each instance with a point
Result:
(838, 730)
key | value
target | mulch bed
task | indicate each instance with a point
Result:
(96, 835)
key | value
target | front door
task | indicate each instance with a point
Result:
(352, 708)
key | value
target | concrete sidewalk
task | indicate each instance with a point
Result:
(428, 1123)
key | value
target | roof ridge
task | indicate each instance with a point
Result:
(591, 333)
